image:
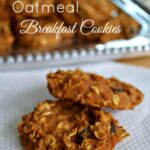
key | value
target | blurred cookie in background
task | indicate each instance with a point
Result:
(99, 11)
(106, 12)
(4, 10)
(6, 38)
(129, 28)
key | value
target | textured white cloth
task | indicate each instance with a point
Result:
(21, 91)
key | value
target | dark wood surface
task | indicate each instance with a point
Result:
(142, 61)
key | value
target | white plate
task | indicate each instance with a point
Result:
(21, 91)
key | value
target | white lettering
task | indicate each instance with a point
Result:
(60, 8)
(30, 26)
(84, 26)
(17, 6)
(29, 8)
(48, 8)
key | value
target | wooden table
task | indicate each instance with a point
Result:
(142, 61)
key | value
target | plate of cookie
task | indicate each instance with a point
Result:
(89, 44)
(80, 109)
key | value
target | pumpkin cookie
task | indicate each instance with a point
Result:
(94, 90)
(58, 125)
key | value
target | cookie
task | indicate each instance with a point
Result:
(107, 13)
(87, 10)
(58, 125)
(125, 96)
(6, 38)
(4, 10)
(94, 90)
(126, 31)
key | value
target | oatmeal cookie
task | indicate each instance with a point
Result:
(58, 125)
(94, 90)
(4, 10)
(88, 9)
(107, 12)
(6, 38)
(127, 31)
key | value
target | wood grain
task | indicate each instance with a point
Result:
(142, 61)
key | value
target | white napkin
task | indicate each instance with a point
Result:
(21, 91)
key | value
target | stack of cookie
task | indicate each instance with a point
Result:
(76, 121)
